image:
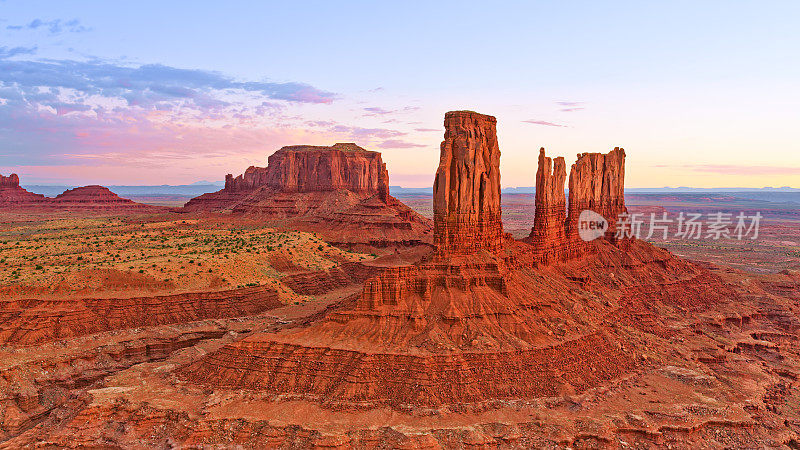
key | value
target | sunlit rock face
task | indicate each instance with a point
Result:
(309, 168)
(596, 184)
(466, 191)
(341, 192)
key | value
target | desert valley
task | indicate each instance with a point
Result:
(306, 305)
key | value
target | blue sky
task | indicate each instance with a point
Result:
(699, 93)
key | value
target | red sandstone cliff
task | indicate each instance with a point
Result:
(596, 183)
(466, 191)
(12, 194)
(549, 226)
(340, 191)
(310, 168)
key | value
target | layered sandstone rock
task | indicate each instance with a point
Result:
(33, 321)
(11, 193)
(549, 226)
(309, 168)
(596, 183)
(93, 195)
(340, 191)
(466, 190)
(472, 323)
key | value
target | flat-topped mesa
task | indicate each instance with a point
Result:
(596, 183)
(91, 195)
(11, 193)
(309, 168)
(549, 230)
(466, 191)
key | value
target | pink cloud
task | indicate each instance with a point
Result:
(730, 169)
(545, 123)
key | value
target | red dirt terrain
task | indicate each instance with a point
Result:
(487, 341)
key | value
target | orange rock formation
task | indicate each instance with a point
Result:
(341, 192)
(473, 323)
(596, 183)
(466, 191)
(92, 195)
(12, 194)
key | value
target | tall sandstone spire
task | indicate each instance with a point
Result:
(596, 183)
(549, 232)
(466, 191)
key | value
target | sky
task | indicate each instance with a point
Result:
(699, 93)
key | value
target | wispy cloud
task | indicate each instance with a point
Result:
(397, 143)
(543, 122)
(10, 52)
(55, 26)
(731, 169)
(90, 114)
(148, 86)
(571, 106)
(378, 111)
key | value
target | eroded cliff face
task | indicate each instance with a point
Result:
(10, 181)
(597, 182)
(11, 193)
(466, 191)
(549, 226)
(309, 168)
(341, 192)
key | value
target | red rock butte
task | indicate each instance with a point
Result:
(485, 317)
(340, 191)
(92, 197)
(11, 193)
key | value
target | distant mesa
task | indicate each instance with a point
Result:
(340, 191)
(94, 196)
(11, 194)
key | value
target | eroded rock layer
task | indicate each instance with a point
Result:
(309, 168)
(596, 182)
(549, 227)
(466, 190)
(28, 322)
